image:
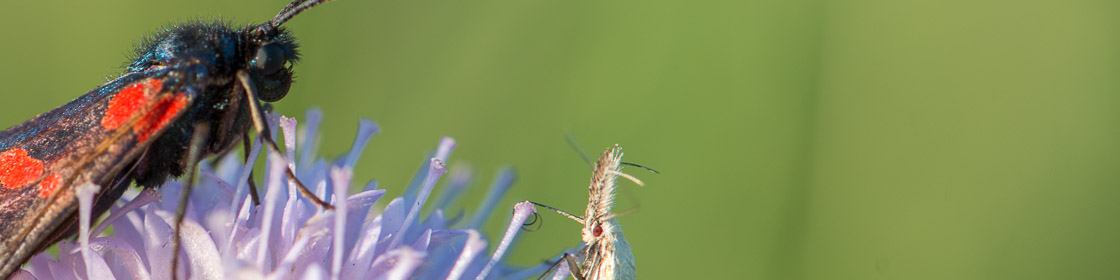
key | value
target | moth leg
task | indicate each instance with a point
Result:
(262, 129)
(551, 268)
(252, 185)
(194, 155)
(573, 266)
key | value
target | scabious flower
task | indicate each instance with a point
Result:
(226, 236)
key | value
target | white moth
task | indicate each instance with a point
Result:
(606, 254)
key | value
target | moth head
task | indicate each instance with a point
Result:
(274, 52)
(270, 66)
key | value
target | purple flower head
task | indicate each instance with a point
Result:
(225, 236)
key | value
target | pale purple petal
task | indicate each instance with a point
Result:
(40, 267)
(446, 145)
(123, 260)
(434, 172)
(318, 230)
(435, 221)
(562, 272)
(407, 262)
(247, 244)
(372, 185)
(246, 272)
(273, 121)
(461, 175)
(308, 138)
(66, 267)
(85, 194)
(366, 129)
(295, 213)
(396, 264)
(158, 249)
(211, 191)
(145, 197)
(69, 255)
(390, 221)
(321, 189)
(227, 167)
(243, 179)
(217, 222)
(557, 265)
(271, 201)
(21, 275)
(362, 256)
(357, 210)
(471, 248)
(237, 231)
(130, 230)
(314, 272)
(96, 268)
(409, 193)
(422, 243)
(501, 184)
(341, 179)
(202, 255)
(521, 213)
(171, 190)
(286, 264)
(288, 128)
(443, 151)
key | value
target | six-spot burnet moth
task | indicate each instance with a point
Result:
(192, 91)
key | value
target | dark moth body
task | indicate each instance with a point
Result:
(137, 127)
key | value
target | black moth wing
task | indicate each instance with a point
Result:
(91, 139)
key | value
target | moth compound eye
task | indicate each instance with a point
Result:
(269, 59)
(597, 231)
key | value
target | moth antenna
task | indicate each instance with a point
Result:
(288, 8)
(565, 214)
(640, 166)
(289, 11)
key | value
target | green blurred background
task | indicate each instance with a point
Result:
(797, 139)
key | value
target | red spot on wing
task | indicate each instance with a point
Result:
(128, 102)
(49, 185)
(17, 169)
(138, 98)
(160, 115)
